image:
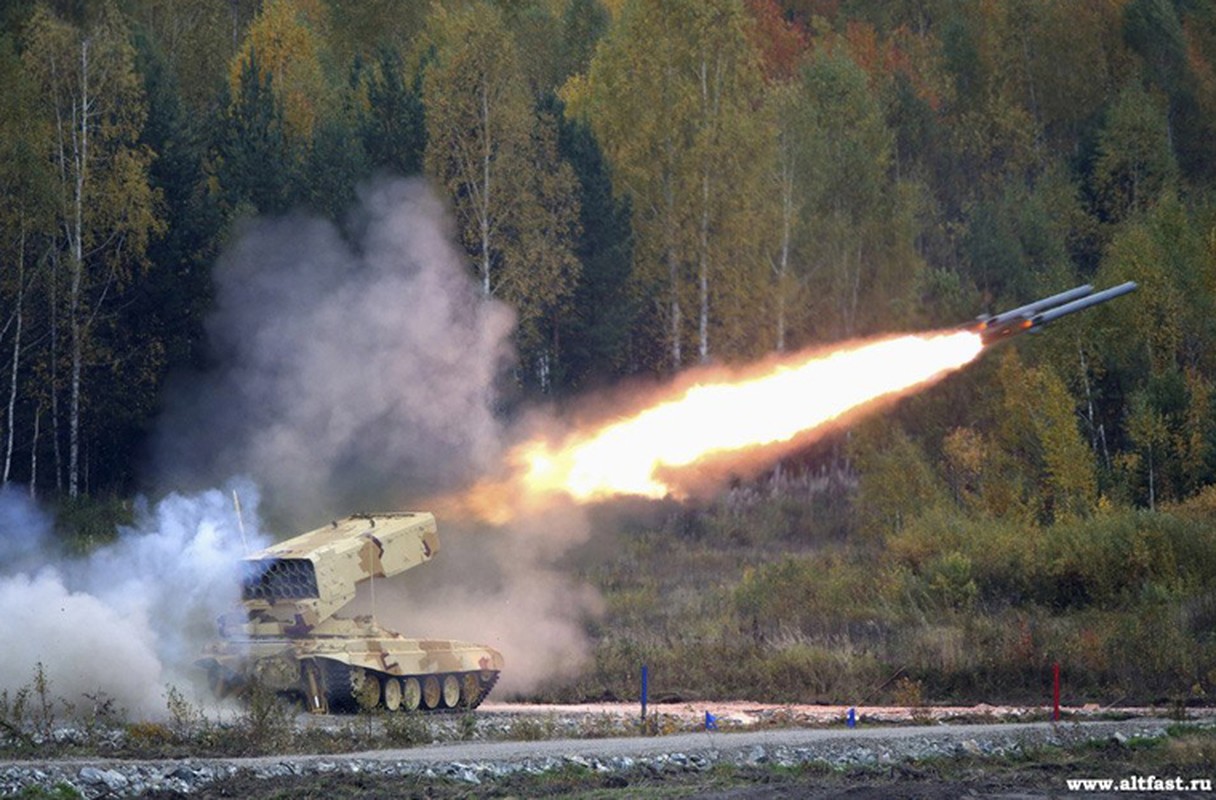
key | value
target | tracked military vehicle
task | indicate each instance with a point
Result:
(289, 637)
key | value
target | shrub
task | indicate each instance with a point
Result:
(406, 729)
(531, 729)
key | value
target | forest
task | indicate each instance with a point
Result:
(650, 186)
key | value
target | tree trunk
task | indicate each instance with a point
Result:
(485, 198)
(703, 238)
(74, 397)
(82, 158)
(783, 265)
(12, 393)
(674, 277)
(1152, 482)
(855, 295)
(34, 455)
(703, 277)
(673, 272)
(56, 438)
(1097, 438)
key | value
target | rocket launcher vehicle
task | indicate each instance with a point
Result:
(290, 638)
(1033, 316)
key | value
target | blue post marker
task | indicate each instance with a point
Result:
(644, 681)
(711, 722)
(852, 719)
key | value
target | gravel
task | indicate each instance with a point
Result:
(474, 763)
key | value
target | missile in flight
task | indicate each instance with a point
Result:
(1033, 316)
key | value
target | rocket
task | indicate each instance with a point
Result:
(1033, 316)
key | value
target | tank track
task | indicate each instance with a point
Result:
(341, 692)
(486, 687)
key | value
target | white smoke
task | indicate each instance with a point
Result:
(129, 620)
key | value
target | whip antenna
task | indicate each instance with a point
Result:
(240, 522)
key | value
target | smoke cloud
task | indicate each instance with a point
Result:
(361, 373)
(127, 621)
(348, 372)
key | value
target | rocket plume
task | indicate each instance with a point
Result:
(718, 419)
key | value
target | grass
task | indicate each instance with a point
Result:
(781, 599)
(268, 726)
(60, 791)
(531, 729)
(36, 723)
(784, 597)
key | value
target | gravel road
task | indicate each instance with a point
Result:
(473, 763)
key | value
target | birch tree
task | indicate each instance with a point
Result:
(105, 208)
(25, 181)
(781, 46)
(671, 94)
(637, 109)
(786, 181)
(1135, 163)
(285, 46)
(733, 147)
(849, 207)
(495, 156)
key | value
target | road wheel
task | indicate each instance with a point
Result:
(392, 694)
(470, 690)
(451, 691)
(430, 692)
(411, 694)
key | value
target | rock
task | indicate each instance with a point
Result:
(112, 779)
(463, 773)
(115, 781)
(91, 775)
(970, 747)
(756, 755)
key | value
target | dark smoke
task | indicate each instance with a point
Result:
(347, 374)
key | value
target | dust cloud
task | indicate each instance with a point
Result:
(126, 622)
(502, 586)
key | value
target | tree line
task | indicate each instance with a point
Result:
(650, 185)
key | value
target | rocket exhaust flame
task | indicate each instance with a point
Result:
(716, 419)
